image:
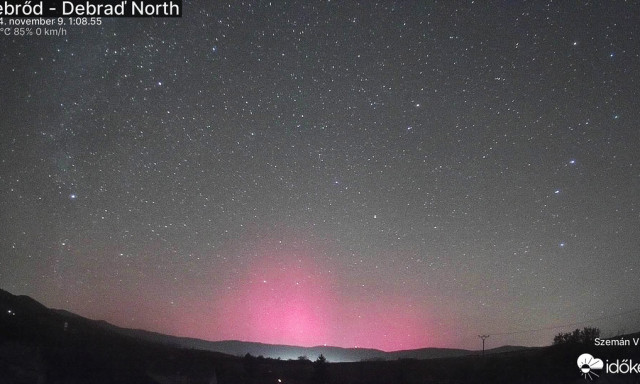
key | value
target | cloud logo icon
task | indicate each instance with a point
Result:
(587, 364)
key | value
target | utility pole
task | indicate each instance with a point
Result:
(483, 337)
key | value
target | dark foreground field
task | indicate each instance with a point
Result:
(39, 345)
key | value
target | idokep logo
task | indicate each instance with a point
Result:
(587, 364)
(625, 366)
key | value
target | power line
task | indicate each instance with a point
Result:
(483, 337)
(567, 325)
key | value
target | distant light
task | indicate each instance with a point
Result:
(572, 161)
(556, 191)
(562, 244)
(73, 196)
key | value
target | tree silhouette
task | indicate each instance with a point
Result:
(587, 335)
(320, 369)
(250, 364)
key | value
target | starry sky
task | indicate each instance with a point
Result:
(377, 174)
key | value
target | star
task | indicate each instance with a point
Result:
(227, 174)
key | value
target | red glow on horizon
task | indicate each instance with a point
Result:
(281, 300)
(285, 297)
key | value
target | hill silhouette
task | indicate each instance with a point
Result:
(286, 352)
(40, 345)
(274, 351)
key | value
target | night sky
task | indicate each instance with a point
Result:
(391, 175)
